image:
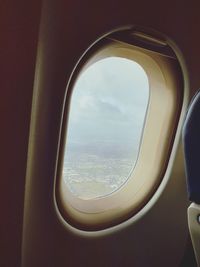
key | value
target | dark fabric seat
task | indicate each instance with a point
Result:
(191, 140)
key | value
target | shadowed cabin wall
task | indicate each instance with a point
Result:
(70, 26)
(19, 21)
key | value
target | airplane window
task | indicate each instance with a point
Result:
(105, 125)
(121, 112)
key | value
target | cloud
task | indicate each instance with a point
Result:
(109, 101)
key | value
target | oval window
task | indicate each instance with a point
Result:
(122, 109)
(105, 126)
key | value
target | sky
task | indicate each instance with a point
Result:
(109, 103)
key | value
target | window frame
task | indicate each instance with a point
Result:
(165, 100)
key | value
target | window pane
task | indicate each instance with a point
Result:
(105, 124)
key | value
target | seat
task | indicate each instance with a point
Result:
(191, 142)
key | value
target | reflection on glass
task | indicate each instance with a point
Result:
(105, 124)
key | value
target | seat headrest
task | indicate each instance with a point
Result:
(191, 141)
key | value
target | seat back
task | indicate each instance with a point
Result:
(191, 141)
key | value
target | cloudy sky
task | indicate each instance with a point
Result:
(108, 103)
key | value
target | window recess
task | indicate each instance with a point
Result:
(80, 203)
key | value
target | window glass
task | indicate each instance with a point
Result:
(105, 125)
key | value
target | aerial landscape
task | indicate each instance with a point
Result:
(105, 125)
(91, 172)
